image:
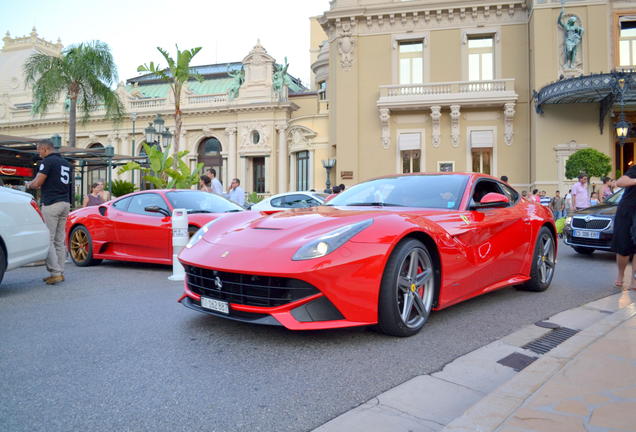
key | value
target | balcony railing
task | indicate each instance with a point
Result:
(473, 92)
(211, 99)
(147, 103)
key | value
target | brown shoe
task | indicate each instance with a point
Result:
(49, 277)
(52, 280)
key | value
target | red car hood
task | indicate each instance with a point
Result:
(288, 228)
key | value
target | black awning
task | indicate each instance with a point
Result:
(603, 89)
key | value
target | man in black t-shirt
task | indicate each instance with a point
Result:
(54, 179)
(623, 242)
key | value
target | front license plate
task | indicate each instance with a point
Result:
(587, 234)
(215, 305)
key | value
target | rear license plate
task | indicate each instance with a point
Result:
(587, 234)
(215, 305)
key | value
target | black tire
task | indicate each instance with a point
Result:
(80, 247)
(3, 263)
(543, 262)
(583, 250)
(407, 291)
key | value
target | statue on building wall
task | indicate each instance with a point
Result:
(238, 78)
(572, 35)
(279, 78)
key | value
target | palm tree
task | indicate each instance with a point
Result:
(177, 74)
(84, 72)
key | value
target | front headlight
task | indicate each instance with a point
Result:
(568, 221)
(329, 242)
(200, 233)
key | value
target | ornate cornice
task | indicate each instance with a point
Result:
(421, 15)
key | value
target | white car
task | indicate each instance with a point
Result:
(289, 200)
(24, 238)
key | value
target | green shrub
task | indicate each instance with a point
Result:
(122, 187)
(588, 161)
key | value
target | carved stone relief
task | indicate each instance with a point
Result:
(436, 115)
(299, 138)
(455, 115)
(385, 116)
(509, 115)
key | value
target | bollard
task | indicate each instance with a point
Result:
(179, 240)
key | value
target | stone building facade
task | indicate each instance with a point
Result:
(428, 85)
(396, 86)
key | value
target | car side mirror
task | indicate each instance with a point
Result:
(157, 209)
(102, 210)
(492, 200)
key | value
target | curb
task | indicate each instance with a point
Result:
(479, 391)
(497, 407)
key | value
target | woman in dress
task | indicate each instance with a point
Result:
(606, 189)
(97, 195)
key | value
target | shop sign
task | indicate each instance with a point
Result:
(8, 170)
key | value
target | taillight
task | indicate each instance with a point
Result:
(37, 209)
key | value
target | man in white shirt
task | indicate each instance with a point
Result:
(217, 187)
(235, 192)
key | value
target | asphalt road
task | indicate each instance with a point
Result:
(111, 350)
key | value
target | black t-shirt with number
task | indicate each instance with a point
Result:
(57, 186)
(628, 202)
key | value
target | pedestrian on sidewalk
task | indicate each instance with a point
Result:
(216, 185)
(236, 193)
(557, 205)
(623, 241)
(54, 179)
(580, 197)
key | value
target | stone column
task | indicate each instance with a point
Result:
(231, 154)
(282, 157)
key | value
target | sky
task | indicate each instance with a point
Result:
(226, 30)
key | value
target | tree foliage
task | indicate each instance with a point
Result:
(588, 161)
(84, 73)
(177, 74)
(165, 171)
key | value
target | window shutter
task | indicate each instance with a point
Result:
(409, 141)
(482, 139)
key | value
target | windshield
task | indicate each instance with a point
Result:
(201, 202)
(616, 198)
(428, 191)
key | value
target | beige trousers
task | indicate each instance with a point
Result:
(55, 218)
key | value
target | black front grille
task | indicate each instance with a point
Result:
(246, 289)
(599, 224)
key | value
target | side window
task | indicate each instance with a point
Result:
(484, 187)
(295, 201)
(139, 202)
(277, 202)
(512, 194)
(122, 204)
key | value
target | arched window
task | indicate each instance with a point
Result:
(209, 152)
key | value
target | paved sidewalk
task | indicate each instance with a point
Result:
(585, 383)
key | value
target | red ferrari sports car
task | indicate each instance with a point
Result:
(385, 252)
(138, 226)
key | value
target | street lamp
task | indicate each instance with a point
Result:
(157, 133)
(328, 164)
(133, 117)
(622, 126)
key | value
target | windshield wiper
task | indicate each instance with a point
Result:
(375, 204)
(199, 211)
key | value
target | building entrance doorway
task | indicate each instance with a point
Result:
(258, 170)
